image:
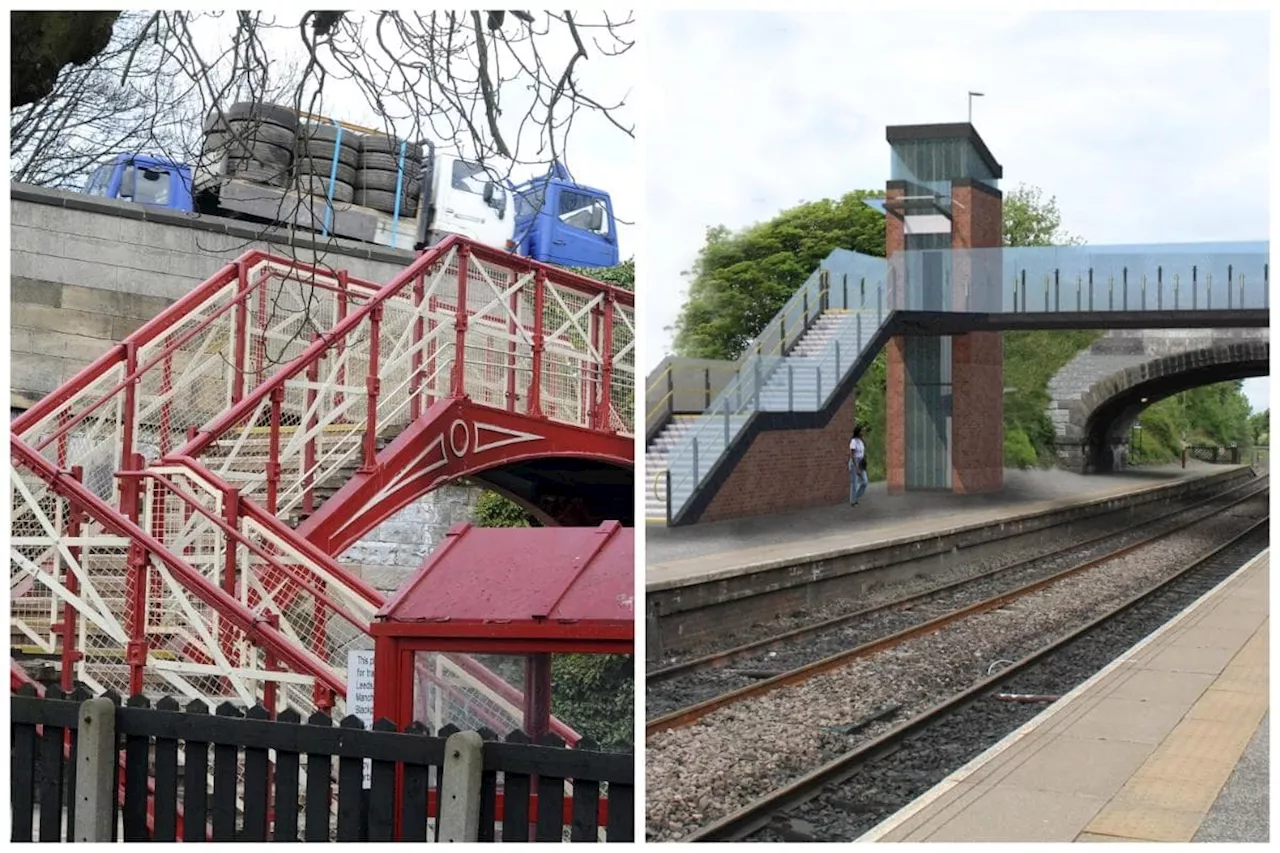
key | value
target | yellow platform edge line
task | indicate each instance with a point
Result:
(912, 809)
(1168, 798)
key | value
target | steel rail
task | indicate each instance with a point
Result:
(757, 815)
(685, 716)
(736, 653)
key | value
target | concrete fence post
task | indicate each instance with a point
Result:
(96, 773)
(460, 788)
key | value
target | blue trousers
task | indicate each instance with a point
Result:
(857, 483)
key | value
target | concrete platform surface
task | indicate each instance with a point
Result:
(1167, 743)
(676, 555)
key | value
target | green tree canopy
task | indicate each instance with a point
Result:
(739, 281)
(1260, 427)
(1032, 220)
(1215, 414)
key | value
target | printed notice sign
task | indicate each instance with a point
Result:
(360, 695)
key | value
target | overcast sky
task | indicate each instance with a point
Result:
(597, 152)
(1148, 127)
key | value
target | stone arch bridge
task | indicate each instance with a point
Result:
(1096, 398)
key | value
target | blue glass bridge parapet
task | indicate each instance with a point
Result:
(1071, 287)
(1085, 279)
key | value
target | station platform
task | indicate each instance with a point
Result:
(1167, 743)
(702, 553)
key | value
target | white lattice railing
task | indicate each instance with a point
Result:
(196, 379)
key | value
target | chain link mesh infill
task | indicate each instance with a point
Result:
(622, 388)
(192, 650)
(324, 409)
(446, 693)
(265, 573)
(571, 360)
(50, 569)
(187, 375)
(33, 563)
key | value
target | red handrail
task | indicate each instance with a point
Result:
(242, 540)
(170, 316)
(256, 626)
(325, 339)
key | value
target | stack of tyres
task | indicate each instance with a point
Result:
(376, 178)
(254, 142)
(313, 163)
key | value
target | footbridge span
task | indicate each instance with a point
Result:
(180, 504)
(774, 435)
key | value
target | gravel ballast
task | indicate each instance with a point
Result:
(665, 695)
(845, 811)
(1018, 548)
(735, 755)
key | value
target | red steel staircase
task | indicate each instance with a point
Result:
(179, 506)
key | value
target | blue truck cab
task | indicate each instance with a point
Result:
(144, 179)
(565, 223)
(555, 220)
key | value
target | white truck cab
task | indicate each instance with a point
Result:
(466, 200)
(561, 222)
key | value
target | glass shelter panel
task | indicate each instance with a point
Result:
(930, 165)
(445, 693)
(928, 412)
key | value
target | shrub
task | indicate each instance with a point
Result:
(1018, 450)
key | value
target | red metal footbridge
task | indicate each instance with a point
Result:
(179, 506)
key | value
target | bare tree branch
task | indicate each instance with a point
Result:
(501, 90)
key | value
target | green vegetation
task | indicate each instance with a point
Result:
(1215, 415)
(739, 281)
(870, 413)
(493, 510)
(1031, 220)
(1260, 428)
(596, 695)
(1030, 361)
(623, 275)
(1018, 450)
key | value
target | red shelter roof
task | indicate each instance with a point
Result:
(523, 584)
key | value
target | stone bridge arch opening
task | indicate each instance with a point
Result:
(1100, 421)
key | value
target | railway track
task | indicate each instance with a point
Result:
(714, 682)
(726, 777)
(911, 744)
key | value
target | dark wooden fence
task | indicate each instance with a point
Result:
(186, 774)
(1212, 454)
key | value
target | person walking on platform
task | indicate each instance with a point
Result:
(857, 467)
